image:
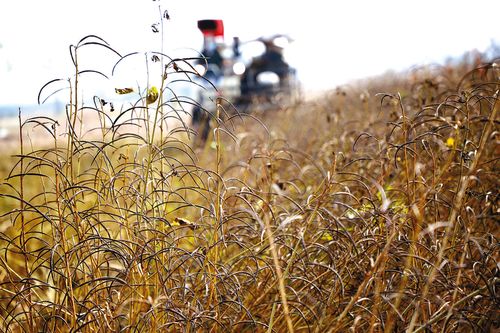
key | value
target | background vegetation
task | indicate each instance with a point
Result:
(371, 209)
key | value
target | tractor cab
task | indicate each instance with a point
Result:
(251, 73)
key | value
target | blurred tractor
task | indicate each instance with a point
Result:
(252, 74)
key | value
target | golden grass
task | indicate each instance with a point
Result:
(372, 209)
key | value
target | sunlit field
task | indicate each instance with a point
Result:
(372, 208)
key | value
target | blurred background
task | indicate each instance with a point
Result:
(333, 42)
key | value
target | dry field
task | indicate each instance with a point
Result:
(371, 209)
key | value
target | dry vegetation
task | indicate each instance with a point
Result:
(373, 209)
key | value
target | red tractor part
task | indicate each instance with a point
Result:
(214, 28)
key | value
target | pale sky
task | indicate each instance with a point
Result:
(335, 41)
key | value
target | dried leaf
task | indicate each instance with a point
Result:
(185, 222)
(124, 91)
